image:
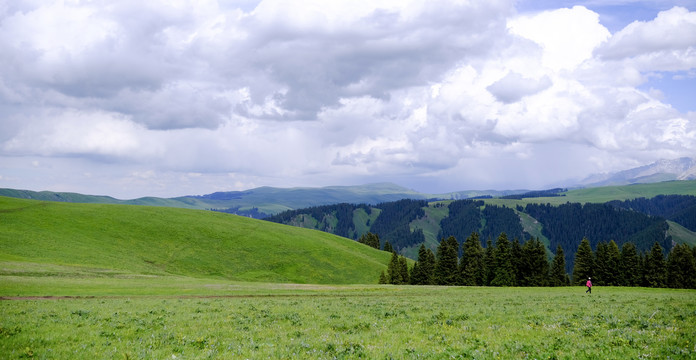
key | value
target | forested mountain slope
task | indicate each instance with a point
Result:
(641, 222)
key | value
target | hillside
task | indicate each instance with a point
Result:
(598, 214)
(116, 240)
(258, 203)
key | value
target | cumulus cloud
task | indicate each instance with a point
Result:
(514, 86)
(671, 30)
(442, 95)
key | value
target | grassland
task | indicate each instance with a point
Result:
(94, 281)
(607, 193)
(256, 321)
(122, 240)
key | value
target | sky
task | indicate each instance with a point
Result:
(172, 98)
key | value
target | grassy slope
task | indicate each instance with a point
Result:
(430, 224)
(608, 193)
(681, 234)
(361, 218)
(170, 241)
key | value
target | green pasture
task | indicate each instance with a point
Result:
(219, 320)
(128, 239)
(606, 193)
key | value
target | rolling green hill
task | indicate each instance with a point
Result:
(606, 193)
(265, 200)
(122, 240)
(270, 200)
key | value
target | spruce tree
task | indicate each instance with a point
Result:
(516, 259)
(446, 265)
(394, 273)
(681, 268)
(612, 265)
(504, 271)
(654, 271)
(534, 266)
(370, 239)
(600, 264)
(414, 273)
(403, 270)
(629, 265)
(489, 262)
(429, 266)
(373, 240)
(383, 278)
(472, 266)
(423, 269)
(388, 247)
(584, 263)
(558, 276)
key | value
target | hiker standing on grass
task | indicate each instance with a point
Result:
(589, 285)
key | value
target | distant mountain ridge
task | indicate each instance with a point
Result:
(662, 170)
(264, 201)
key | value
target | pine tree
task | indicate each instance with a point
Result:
(370, 239)
(534, 266)
(681, 268)
(612, 277)
(558, 276)
(394, 272)
(429, 266)
(489, 262)
(383, 278)
(388, 247)
(472, 266)
(414, 273)
(600, 264)
(584, 263)
(403, 270)
(504, 272)
(446, 264)
(516, 259)
(422, 273)
(629, 265)
(654, 271)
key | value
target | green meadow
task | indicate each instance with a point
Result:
(257, 321)
(95, 281)
(129, 240)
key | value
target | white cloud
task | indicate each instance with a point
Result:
(61, 133)
(671, 30)
(443, 94)
(567, 36)
(514, 86)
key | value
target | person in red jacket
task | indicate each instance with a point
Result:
(589, 285)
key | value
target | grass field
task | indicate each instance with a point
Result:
(128, 239)
(607, 193)
(94, 281)
(218, 320)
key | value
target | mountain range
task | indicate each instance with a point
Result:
(264, 201)
(662, 170)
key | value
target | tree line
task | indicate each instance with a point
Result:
(467, 216)
(678, 208)
(336, 219)
(568, 223)
(509, 263)
(393, 223)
